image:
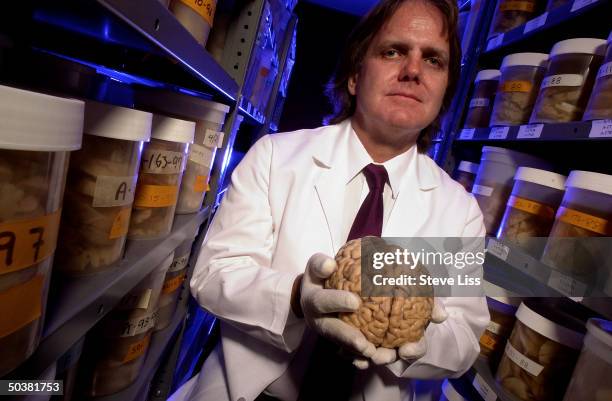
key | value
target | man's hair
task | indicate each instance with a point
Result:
(356, 49)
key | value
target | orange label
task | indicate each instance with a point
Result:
(516, 86)
(201, 184)
(583, 220)
(155, 195)
(137, 349)
(20, 305)
(487, 341)
(173, 284)
(121, 223)
(205, 8)
(532, 207)
(24, 243)
(517, 6)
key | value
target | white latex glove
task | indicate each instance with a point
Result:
(318, 303)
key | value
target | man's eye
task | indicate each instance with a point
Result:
(436, 62)
(391, 53)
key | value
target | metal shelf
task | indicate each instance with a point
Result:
(542, 23)
(80, 303)
(157, 24)
(597, 130)
(252, 114)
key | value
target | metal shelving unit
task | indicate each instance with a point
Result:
(598, 130)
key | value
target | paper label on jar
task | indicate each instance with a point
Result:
(562, 80)
(487, 341)
(136, 301)
(137, 349)
(483, 388)
(201, 155)
(173, 284)
(498, 249)
(136, 326)
(530, 366)
(24, 243)
(588, 222)
(482, 190)
(467, 133)
(601, 129)
(495, 328)
(605, 70)
(201, 183)
(568, 286)
(156, 161)
(536, 23)
(213, 139)
(530, 131)
(531, 207)
(578, 4)
(516, 86)
(121, 223)
(479, 102)
(499, 132)
(20, 305)
(114, 191)
(179, 263)
(155, 195)
(205, 8)
(526, 6)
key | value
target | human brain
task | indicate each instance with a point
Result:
(386, 321)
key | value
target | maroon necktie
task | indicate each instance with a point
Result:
(328, 375)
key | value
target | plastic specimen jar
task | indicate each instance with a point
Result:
(465, 174)
(570, 76)
(512, 13)
(196, 16)
(159, 178)
(521, 75)
(481, 104)
(600, 103)
(100, 189)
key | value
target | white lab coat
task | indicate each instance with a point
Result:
(284, 204)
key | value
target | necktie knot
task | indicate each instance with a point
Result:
(376, 176)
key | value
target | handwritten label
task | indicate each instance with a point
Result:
(487, 341)
(24, 243)
(578, 4)
(156, 161)
(531, 207)
(601, 129)
(205, 8)
(495, 42)
(201, 183)
(213, 139)
(136, 326)
(530, 366)
(495, 328)
(121, 223)
(114, 191)
(584, 220)
(482, 190)
(20, 305)
(139, 300)
(516, 86)
(155, 195)
(562, 80)
(173, 284)
(137, 349)
(566, 285)
(535, 23)
(467, 133)
(513, 5)
(179, 263)
(483, 388)
(605, 70)
(498, 249)
(201, 155)
(499, 132)
(530, 131)
(479, 102)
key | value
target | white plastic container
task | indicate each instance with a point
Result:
(465, 174)
(572, 69)
(36, 134)
(601, 97)
(196, 16)
(540, 355)
(531, 208)
(585, 215)
(159, 178)
(100, 188)
(591, 378)
(481, 104)
(494, 181)
(521, 76)
(449, 393)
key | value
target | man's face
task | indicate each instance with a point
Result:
(403, 77)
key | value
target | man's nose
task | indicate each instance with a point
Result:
(411, 68)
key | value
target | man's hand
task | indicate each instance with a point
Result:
(318, 304)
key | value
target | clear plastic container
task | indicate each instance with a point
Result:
(531, 208)
(521, 76)
(100, 189)
(449, 393)
(117, 351)
(494, 181)
(552, 4)
(591, 378)
(196, 16)
(512, 13)
(159, 178)
(540, 355)
(36, 134)
(481, 104)
(601, 98)
(465, 174)
(502, 306)
(577, 245)
(570, 76)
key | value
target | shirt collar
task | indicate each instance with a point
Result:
(396, 167)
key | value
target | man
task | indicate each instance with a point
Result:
(297, 197)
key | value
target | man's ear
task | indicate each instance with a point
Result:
(352, 84)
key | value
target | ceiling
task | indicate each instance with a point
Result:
(355, 7)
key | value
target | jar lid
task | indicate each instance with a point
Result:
(38, 122)
(600, 329)
(579, 45)
(501, 294)
(450, 393)
(541, 177)
(526, 59)
(596, 182)
(548, 328)
(512, 157)
(488, 75)
(468, 167)
(172, 129)
(117, 122)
